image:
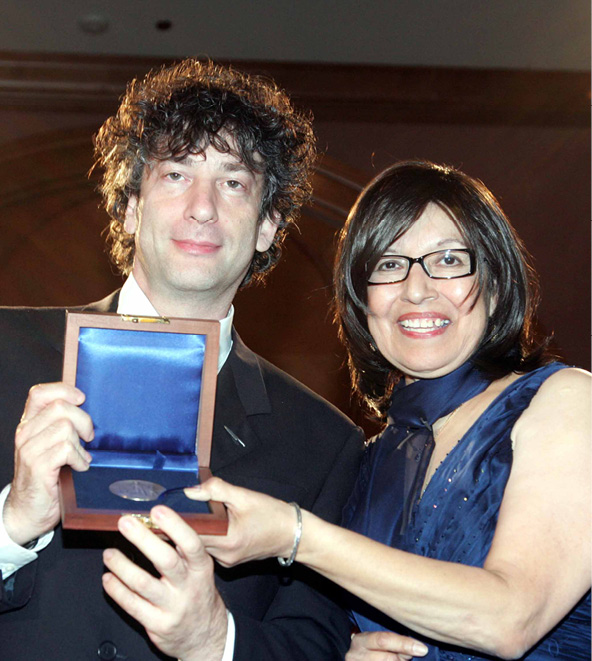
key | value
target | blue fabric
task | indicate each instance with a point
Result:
(455, 519)
(413, 411)
(133, 381)
(92, 490)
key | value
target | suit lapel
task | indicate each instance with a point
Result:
(107, 304)
(240, 394)
(52, 327)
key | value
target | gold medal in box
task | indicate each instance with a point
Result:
(150, 386)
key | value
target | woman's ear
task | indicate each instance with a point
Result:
(492, 304)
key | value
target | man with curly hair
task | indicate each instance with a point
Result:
(205, 168)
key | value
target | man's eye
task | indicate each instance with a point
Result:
(234, 184)
(174, 176)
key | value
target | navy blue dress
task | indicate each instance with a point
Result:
(456, 517)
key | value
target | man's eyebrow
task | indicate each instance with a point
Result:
(228, 166)
(184, 160)
(239, 167)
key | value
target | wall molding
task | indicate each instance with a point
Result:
(359, 93)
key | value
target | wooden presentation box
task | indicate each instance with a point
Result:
(150, 386)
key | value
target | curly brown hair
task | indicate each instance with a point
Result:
(185, 108)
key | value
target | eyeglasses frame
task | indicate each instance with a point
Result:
(419, 260)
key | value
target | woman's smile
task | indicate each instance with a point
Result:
(425, 324)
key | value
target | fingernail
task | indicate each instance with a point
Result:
(107, 554)
(126, 522)
(192, 492)
(157, 513)
(419, 649)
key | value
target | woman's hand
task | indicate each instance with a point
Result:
(384, 646)
(259, 526)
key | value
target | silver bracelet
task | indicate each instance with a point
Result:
(286, 562)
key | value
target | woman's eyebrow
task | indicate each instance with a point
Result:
(443, 242)
(389, 252)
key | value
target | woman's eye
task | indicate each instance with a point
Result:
(389, 265)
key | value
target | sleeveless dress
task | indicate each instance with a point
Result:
(456, 517)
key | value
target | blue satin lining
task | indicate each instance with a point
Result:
(142, 392)
(145, 460)
(92, 490)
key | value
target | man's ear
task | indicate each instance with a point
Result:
(130, 223)
(266, 231)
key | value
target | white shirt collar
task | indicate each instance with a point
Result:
(132, 300)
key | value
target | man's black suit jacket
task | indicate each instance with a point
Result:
(297, 447)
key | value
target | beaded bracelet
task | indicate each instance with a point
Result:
(286, 562)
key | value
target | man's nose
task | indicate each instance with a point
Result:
(201, 203)
(418, 286)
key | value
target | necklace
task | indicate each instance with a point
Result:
(448, 418)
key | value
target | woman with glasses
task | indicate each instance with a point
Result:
(469, 527)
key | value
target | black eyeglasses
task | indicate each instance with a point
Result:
(440, 265)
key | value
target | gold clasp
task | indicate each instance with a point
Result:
(146, 520)
(144, 320)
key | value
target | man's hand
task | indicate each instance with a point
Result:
(182, 610)
(47, 438)
(384, 646)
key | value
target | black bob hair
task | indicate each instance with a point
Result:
(182, 110)
(385, 210)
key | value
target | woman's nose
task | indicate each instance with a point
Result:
(418, 286)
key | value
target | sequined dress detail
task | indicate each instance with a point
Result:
(455, 518)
